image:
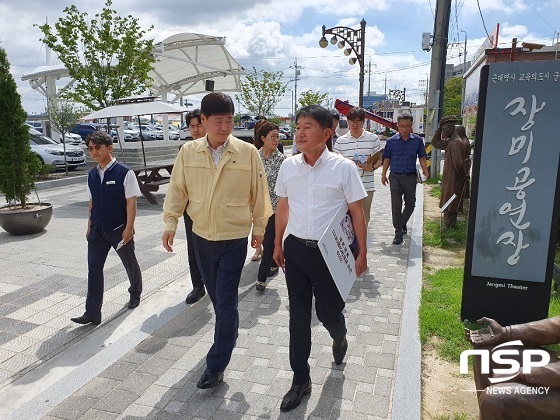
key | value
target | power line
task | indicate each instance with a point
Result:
(538, 14)
(482, 17)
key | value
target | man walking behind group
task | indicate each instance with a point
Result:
(112, 189)
(197, 131)
(400, 153)
(358, 142)
(311, 188)
(220, 180)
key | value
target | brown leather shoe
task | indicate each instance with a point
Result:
(339, 350)
(293, 397)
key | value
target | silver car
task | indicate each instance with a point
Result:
(52, 153)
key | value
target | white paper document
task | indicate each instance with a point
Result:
(338, 245)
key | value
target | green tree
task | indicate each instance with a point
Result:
(452, 97)
(107, 55)
(18, 164)
(63, 116)
(309, 97)
(261, 91)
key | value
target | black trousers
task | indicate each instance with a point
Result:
(221, 263)
(196, 277)
(307, 275)
(402, 186)
(99, 244)
(268, 250)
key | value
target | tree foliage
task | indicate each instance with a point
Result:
(106, 55)
(63, 115)
(261, 91)
(19, 166)
(309, 97)
(452, 97)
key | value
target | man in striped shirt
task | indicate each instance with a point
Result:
(358, 145)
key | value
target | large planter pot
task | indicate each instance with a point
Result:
(33, 219)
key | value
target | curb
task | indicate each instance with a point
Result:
(52, 183)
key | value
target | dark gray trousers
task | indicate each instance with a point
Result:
(402, 185)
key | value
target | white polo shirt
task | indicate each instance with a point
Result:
(315, 193)
(367, 144)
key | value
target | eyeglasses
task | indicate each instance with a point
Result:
(96, 147)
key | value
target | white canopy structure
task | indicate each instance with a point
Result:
(185, 61)
(184, 64)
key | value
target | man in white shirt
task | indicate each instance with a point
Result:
(311, 188)
(358, 145)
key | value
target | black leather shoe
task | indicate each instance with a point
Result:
(196, 294)
(293, 397)
(133, 302)
(210, 379)
(86, 319)
(398, 240)
(404, 230)
(339, 350)
(273, 271)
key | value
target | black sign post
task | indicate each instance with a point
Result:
(515, 200)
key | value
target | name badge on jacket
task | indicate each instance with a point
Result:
(110, 183)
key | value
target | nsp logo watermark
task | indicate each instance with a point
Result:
(531, 358)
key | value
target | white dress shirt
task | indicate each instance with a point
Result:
(315, 193)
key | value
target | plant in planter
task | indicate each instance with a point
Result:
(18, 165)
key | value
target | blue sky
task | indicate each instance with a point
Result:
(271, 34)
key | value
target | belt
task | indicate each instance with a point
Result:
(309, 243)
(405, 173)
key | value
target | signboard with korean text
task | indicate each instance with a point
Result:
(339, 246)
(514, 209)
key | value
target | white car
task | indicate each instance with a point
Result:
(185, 132)
(52, 153)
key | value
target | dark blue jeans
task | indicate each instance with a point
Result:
(221, 263)
(99, 244)
(307, 275)
(196, 276)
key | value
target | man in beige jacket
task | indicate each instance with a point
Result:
(223, 181)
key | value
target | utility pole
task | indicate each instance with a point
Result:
(424, 84)
(369, 92)
(437, 77)
(297, 73)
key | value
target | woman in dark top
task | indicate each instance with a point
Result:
(266, 141)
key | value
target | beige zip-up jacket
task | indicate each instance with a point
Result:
(223, 201)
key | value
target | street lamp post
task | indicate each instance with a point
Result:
(356, 42)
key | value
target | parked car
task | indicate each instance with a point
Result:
(52, 153)
(148, 132)
(85, 130)
(284, 129)
(185, 132)
(72, 138)
(130, 134)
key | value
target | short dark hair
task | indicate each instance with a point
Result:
(263, 130)
(99, 138)
(195, 113)
(405, 116)
(356, 113)
(318, 113)
(216, 103)
(335, 115)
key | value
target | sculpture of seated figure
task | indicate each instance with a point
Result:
(534, 395)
